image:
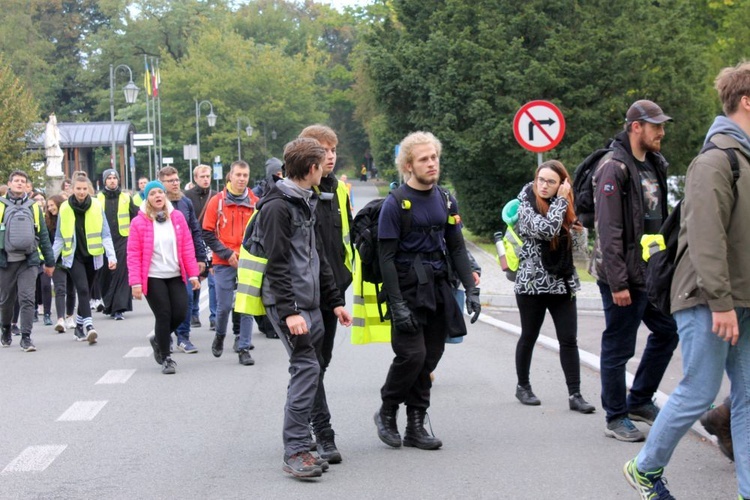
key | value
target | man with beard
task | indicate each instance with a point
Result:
(630, 195)
(199, 195)
(171, 180)
(119, 210)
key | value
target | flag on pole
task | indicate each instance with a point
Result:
(147, 80)
(154, 79)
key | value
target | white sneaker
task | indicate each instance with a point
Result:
(60, 326)
(70, 322)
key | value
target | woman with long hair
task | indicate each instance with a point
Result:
(161, 260)
(546, 279)
(59, 277)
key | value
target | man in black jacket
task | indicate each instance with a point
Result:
(199, 195)
(630, 196)
(333, 218)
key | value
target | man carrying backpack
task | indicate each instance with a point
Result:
(710, 294)
(630, 195)
(24, 242)
(416, 280)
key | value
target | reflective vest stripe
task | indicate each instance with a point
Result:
(341, 195)
(367, 327)
(93, 224)
(123, 212)
(250, 270)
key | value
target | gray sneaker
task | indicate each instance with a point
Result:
(644, 413)
(623, 429)
(26, 344)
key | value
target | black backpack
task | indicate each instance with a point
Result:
(662, 264)
(364, 231)
(583, 189)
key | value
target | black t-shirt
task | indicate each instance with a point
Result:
(652, 197)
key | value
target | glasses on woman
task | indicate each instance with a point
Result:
(550, 182)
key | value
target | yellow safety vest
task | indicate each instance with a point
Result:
(650, 244)
(37, 210)
(123, 212)
(341, 195)
(250, 270)
(137, 199)
(94, 222)
(367, 326)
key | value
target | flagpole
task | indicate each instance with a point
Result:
(157, 78)
(157, 160)
(147, 84)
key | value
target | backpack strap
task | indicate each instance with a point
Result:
(734, 163)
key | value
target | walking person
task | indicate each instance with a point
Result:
(417, 284)
(24, 242)
(710, 296)
(82, 239)
(119, 210)
(546, 279)
(59, 276)
(297, 281)
(630, 196)
(43, 282)
(333, 218)
(161, 260)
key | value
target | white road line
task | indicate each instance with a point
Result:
(139, 352)
(116, 377)
(35, 458)
(82, 410)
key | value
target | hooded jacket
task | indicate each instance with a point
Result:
(297, 274)
(200, 196)
(619, 213)
(273, 166)
(224, 224)
(329, 225)
(141, 247)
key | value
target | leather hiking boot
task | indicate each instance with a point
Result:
(416, 435)
(717, 423)
(327, 447)
(385, 421)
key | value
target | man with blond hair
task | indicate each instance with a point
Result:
(710, 293)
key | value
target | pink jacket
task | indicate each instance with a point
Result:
(141, 248)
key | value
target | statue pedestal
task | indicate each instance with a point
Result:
(53, 185)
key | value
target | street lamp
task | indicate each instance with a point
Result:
(248, 131)
(211, 117)
(131, 93)
(265, 137)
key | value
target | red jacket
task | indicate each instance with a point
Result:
(224, 233)
(141, 248)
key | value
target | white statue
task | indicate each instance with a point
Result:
(52, 148)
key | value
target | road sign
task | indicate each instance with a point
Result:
(539, 126)
(218, 169)
(147, 142)
(167, 160)
(190, 152)
(143, 137)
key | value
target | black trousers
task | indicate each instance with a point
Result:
(167, 299)
(83, 275)
(562, 308)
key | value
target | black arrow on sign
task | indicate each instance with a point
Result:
(548, 121)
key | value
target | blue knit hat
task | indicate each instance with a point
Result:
(151, 185)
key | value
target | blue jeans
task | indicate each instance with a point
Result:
(211, 299)
(618, 346)
(226, 278)
(183, 331)
(704, 359)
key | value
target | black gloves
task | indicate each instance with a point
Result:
(402, 318)
(473, 306)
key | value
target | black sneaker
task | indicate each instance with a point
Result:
(91, 334)
(236, 345)
(118, 316)
(78, 332)
(245, 358)
(6, 337)
(168, 366)
(195, 322)
(622, 429)
(302, 464)
(217, 347)
(157, 353)
(526, 396)
(212, 324)
(327, 447)
(644, 413)
(577, 403)
(15, 330)
(26, 344)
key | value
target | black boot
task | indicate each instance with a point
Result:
(385, 420)
(415, 434)
(327, 447)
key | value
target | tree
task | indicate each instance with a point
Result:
(18, 114)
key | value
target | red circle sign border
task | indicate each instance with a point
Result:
(554, 142)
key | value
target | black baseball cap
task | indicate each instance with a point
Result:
(647, 111)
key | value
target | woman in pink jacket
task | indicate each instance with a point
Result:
(161, 259)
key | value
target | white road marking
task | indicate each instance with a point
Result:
(35, 458)
(82, 410)
(139, 352)
(116, 377)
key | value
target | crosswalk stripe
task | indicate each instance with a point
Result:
(82, 411)
(139, 352)
(116, 377)
(35, 458)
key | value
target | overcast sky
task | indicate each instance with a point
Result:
(340, 4)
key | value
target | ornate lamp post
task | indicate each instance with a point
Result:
(248, 131)
(131, 94)
(211, 117)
